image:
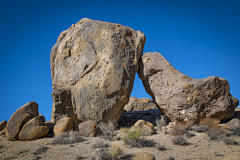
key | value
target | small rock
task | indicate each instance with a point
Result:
(146, 127)
(19, 118)
(65, 124)
(33, 129)
(89, 129)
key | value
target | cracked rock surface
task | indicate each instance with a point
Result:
(181, 97)
(93, 66)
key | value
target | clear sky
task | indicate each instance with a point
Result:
(200, 38)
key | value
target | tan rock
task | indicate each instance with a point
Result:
(234, 123)
(65, 124)
(146, 127)
(182, 98)
(19, 118)
(93, 66)
(142, 104)
(89, 129)
(33, 129)
(3, 125)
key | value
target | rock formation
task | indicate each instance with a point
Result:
(3, 125)
(33, 129)
(180, 97)
(93, 66)
(142, 104)
(19, 118)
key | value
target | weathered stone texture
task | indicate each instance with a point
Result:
(93, 66)
(180, 97)
(65, 124)
(142, 104)
(89, 129)
(33, 129)
(3, 125)
(145, 127)
(19, 118)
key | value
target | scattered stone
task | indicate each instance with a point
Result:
(89, 129)
(19, 118)
(142, 104)
(234, 123)
(93, 66)
(182, 98)
(50, 126)
(146, 127)
(65, 124)
(33, 129)
(129, 118)
(3, 125)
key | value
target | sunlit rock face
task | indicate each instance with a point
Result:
(181, 97)
(93, 66)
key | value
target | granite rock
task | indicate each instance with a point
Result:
(93, 66)
(142, 104)
(182, 98)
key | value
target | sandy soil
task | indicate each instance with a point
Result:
(199, 148)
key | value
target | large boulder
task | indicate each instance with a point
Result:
(181, 97)
(33, 129)
(65, 124)
(93, 66)
(142, 104)
(19, 118)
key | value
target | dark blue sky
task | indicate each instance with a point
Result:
(200, 38)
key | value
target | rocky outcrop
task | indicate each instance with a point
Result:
(142, 104)
(65, 124)
(89, 129)
(33, 129)
(180, 97)
(3, 125)
(19, 118)
(233, 124)
(129, 118)
(93, 66)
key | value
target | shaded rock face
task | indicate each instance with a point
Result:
(142, 104)
(3, 125)
(129, 118)
(65, 124)
(180, 97)
(89, 129)
(19, 118)
(233, 124)
(33, 129)
(93, 66)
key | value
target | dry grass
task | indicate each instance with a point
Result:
(209, 122)
(99, 143)
(161, 122)
(179, 140)
(216, 133)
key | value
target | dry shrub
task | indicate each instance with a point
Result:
(189, 124)
(161, 122)
(179, 140)
(108, 129)
(67, 138)
(105, 154)
(99, 143)
(208, 122)
(40, 150)
(216, 133)
(178, 129)
(115, 151)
